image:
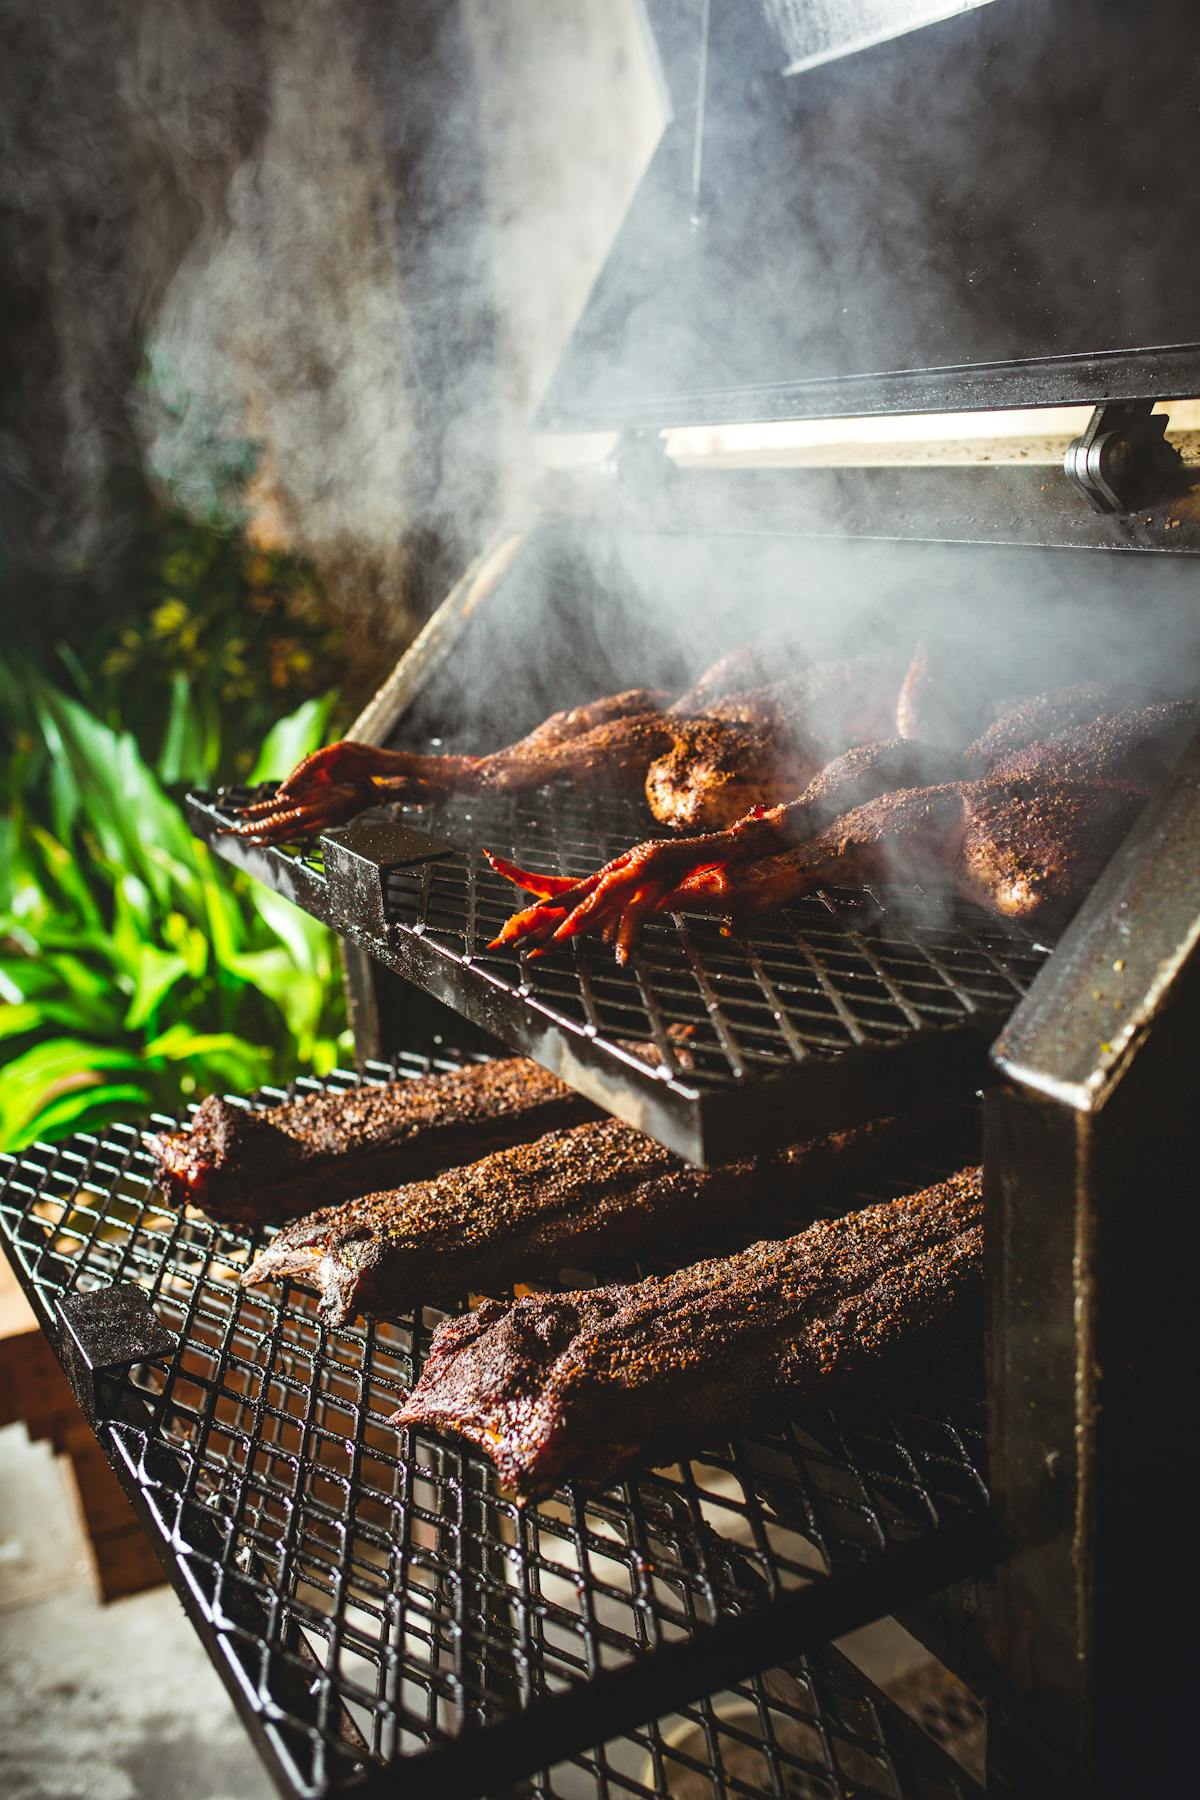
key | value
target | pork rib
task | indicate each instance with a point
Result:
(592, 1382)
(570, 1199)
(268, 1164)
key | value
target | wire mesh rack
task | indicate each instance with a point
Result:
(829, 1012)
(370, 1597)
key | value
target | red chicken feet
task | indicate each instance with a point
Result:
(613, 902)
(655, 876)
(335, 783)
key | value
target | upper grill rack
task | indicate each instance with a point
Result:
(843, 1006)
(369, 1599)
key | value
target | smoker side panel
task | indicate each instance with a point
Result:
(1091, 1153)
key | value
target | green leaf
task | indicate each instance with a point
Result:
(182, 757)
(157, 973)
(86, 1109)
(34, 1015)
(137, 827)
(23, 1017)
(27, 977)
(299, 997)
(178, 1041)
(217, 1058)
(30, 1081)
(188, 942)
(133, 965)
(61, 867)
(307, 941)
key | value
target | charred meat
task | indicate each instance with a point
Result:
(1025, 839)
(1031, 849)
(718, 769)
(1043, 716)
(272, 1163)
(590, 1383)
(662, 874)
(613, 740)
(759, 747)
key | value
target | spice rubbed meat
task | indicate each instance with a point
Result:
(273, 1163)
(1025, 839)
(702, 759)
(587, 1384)
(571, 1198)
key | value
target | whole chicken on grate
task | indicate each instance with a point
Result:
(733, 741)
(1021, 823)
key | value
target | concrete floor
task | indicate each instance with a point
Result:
(99, 1702)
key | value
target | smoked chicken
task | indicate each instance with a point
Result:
(704, 759)
(1025, 840)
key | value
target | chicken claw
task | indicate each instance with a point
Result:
(338, 781)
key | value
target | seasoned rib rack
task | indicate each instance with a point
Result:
(574, 1198)
(839, 1009)
(593, 1382)
(368, 1600)
(259, 1166)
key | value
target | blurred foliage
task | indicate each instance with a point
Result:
(211, 640)
(133, 968)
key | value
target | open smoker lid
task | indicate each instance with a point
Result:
(860, 206)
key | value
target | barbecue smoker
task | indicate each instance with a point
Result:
(993, 208)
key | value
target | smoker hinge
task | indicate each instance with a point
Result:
(358, 859)
(105, 1331)
(1123, 460)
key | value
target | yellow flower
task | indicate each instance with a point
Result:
(168, 618)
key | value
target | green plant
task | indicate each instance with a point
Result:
(132, 968)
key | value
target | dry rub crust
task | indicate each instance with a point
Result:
(518, 1214)
(1031, 850)
(271, 1164)
(614, 753)
(1133, 748)
(572, 1199)
(867, 771)
(588, 1383)
(1044, 716)
(717, 769)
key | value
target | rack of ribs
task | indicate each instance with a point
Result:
(265, 1164)
(572, 1199)
(590, 1383)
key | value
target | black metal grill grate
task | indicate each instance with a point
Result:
(812, 1731)
(369, 1599)
(830, 1011)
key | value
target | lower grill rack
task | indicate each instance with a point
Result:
(378, 1605)
(814, 1730)
(835, 1010)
